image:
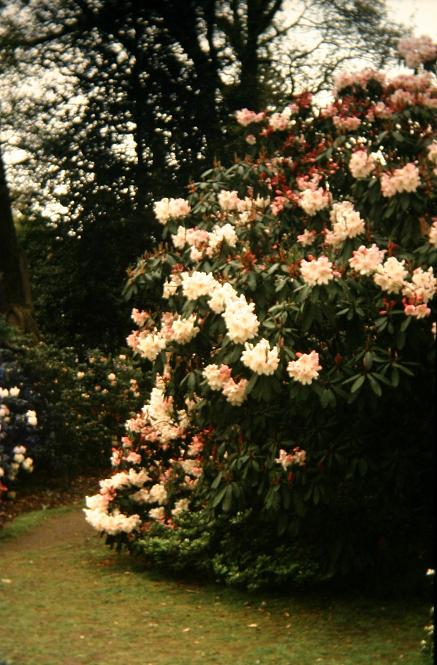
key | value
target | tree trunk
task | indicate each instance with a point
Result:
(15, 299)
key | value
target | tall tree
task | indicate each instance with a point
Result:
(141, 95)
(15, 300)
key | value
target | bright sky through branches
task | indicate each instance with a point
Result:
(421, 15)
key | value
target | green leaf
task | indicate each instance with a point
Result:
(374, 385)
(227, 501)
(217, 480)
(405, 324)
(219, 497)
(358, 383)
(251, 281)
(252, 382)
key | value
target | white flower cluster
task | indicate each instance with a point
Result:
(113, 523)
(361, 164)
(149, 345)
(171, 285)
(18, 460)
(203, 243)
(296, 458)
(167, 209)
(197, 284)
(228, 201)
(259, 358)
(365, 260)
(390, 275)
(316, 271)
(306, 368)
(241, 321)
(31, 418)
(9, 392)
(313, 200)
(247, 208)
(158, 418)
(346, 223)
(156, 494)
(405, 179)
(184, 329)
(423, 285)
(219, 235)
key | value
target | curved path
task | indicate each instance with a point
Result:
(65, 599)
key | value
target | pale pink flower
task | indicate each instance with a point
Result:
(360, 78)
(418, 311)
(241, 322)
(259, 358)
(281, 121)
(246, 117)
(422, 287)
(432, 152)
(432, 236)
(400, 99)
(184, 329)
(180, 506)
(197, 284)
(157, 514)
(296, 457)
(317, 271)
(171, 286)
(349, 124)
(216, 375)
(346, 223)
(150, 345)
(365, 260)
(219, 235)
(306, 368)
(313, 200)
(234, 392)
(307, 237)
(417, 50)
(167, 209)
(390, 275)
(405, 179)
(228, 201)
(307, 182)
(361, 164)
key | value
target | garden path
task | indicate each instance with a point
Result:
(68, 600)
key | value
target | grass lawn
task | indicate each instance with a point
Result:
(65, 599)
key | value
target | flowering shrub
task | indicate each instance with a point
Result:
(292, 348)
(82, 405)
(18, 426)
(81, 402)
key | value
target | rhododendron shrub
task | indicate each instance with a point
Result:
(18, 426)
(292, 348)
